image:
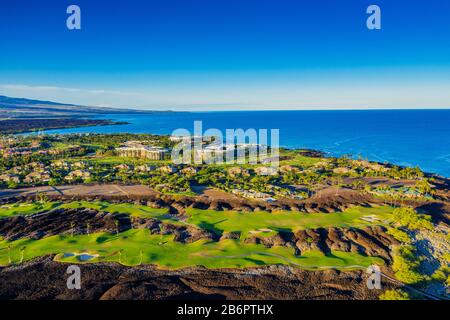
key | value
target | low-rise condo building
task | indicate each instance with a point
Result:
(136, 150)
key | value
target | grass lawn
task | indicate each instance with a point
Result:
(127, 208)
(263, 223)
(298, 159)
(61, 145)
(219, 221)
(135, 247)
(23, 209)
(125, 160)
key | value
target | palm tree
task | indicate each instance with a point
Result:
(22, 251)
(117, 226)
(161, 229)
(42, 198)
(338, 184)
(9, 254)
(120, 256)
(39, 205)
(72, 226)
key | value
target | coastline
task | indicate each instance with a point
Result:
(397, 137)
(330, 221)
(21, 126)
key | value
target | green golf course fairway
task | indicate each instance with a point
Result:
(251, 222)
(138, 246)
(23, 209)
(126, 208)
(135, 247)
(134, 210)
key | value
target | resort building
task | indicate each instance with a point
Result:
(252, 194)
(203, 139)
(122, 167)
(77, 174)
(168, 169)
(266, 171)
(144, 168)
(371, 165)
(78, 165)
(189, 171)
(237, 153)
(37, 177)
(289, 168)
(342, 170)
(212, 153)
(179, 138)
(17, 170)
(137, 150)
(9, 178)
(60, 164)
(236, 171)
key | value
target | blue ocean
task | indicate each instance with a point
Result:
(404, 137)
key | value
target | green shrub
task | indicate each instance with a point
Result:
(406, 264)
(399, 235)
(446, 257)
(394, 295)
(409, 218)
(442, 275)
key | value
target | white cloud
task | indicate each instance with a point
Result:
(291, 95)
(37, 89)
(91, 97)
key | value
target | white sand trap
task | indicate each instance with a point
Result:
(371, 218)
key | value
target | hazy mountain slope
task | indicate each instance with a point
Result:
(28, 108)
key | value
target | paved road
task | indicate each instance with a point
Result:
(81, 190)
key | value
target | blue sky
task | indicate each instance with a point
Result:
(228, 54)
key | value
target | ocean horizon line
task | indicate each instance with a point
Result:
(286, 110)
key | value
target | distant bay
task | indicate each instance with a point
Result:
(404, 137)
